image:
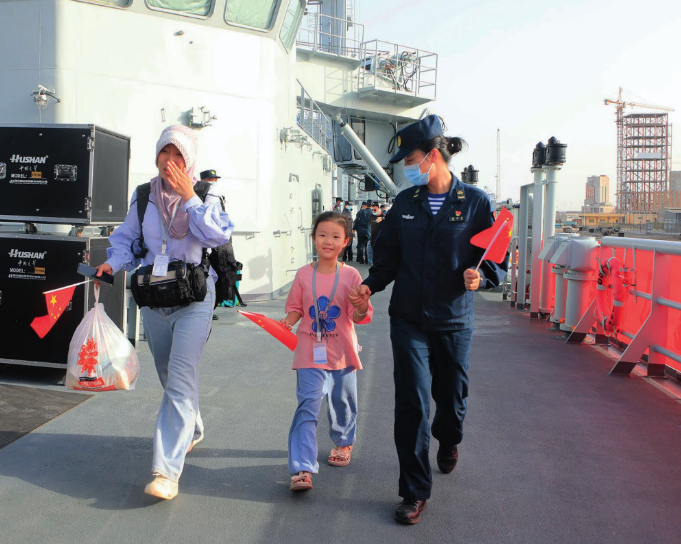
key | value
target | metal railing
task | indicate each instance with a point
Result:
(658, 330)
(313, 120)
(393, 67)
(330, 35)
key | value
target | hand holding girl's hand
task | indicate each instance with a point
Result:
(179, 181)
(359, 296)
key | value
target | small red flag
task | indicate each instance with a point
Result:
(497, 238)
(56, 302)
(275, 328)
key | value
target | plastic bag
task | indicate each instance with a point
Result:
(100, 356)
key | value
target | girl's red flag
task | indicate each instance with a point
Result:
(275, 328)
(496, 244)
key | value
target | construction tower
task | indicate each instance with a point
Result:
(644, 151)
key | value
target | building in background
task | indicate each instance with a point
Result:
(594, 219)
(675, 181)
(670, 215)
(597, 198)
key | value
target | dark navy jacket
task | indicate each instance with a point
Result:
(426, 256)
(363, 223)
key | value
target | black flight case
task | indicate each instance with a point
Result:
(31, 264)
(68, 174)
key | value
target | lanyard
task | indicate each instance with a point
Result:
(316, 300)
(164, 232)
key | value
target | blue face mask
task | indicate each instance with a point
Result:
(414, 175)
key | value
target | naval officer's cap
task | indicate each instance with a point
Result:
(209, 174)
(410, 137)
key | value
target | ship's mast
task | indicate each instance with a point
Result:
(498, 176)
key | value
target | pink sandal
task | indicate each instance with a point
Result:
(301, 481)
(340, 458)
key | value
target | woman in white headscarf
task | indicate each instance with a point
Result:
(177, 218)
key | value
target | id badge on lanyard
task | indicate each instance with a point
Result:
(319, 353)
(319, 346)
(162, 261)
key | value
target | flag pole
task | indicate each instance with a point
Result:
(491, 244)
(65, 287)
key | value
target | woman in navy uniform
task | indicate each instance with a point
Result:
(424, 247)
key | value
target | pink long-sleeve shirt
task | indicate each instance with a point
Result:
(338, 328)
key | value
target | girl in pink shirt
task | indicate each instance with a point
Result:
(326, 296)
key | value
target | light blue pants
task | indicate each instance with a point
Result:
(370, 252)
(176, 338)
(313, 384)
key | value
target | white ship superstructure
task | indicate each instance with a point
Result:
(258, 88)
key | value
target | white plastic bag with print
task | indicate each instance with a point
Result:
(100, 356)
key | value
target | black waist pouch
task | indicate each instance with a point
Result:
(183, 284)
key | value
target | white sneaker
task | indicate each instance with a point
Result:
(162, 487)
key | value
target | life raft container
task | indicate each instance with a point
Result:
(611, 317)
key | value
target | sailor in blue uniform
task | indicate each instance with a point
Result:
(424, 247)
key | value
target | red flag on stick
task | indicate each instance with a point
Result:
(495, 239)
(275, 328)
(56, 300)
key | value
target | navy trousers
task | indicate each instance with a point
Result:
(425, 362)
(362, 242)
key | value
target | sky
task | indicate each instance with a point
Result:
(536, 69)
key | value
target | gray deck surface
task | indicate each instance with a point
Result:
(555, 450)
(23, 409)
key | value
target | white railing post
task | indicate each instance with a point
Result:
(549, 229)
(417, 68)
(317, 30)
(523, 223)
(537, 225)
(514, 265)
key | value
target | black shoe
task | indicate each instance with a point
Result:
(409, 512)
(447, 457)
(215, 317)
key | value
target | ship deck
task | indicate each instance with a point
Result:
(555, 450)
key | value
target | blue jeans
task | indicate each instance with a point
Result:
(370, 253)
(313, 384)
(425, 362)
(176, 338)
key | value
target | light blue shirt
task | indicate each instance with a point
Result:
(209, 227)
